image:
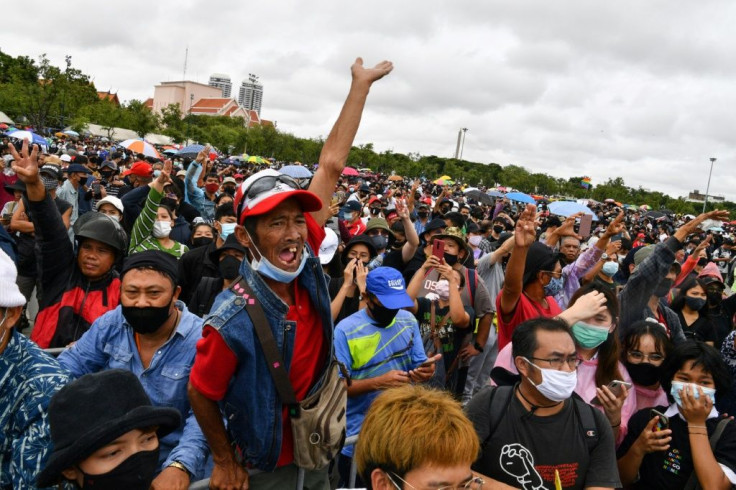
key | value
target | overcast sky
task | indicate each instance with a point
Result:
(641, 90)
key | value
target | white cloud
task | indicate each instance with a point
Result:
(641, 90)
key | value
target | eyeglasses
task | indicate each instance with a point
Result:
(558, 362)
(475, 483)
(553, 273)
(637, 356)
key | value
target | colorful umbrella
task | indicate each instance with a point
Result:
(296, 171)
(258, 160)
(568, 208)
(350, 172)
(444, 180)
(396, 178)
(141, 147)
(521, 197)
(645, 207)
(4, 126)
(32, 137)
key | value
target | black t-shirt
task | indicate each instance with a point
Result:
(525, 450)
(701, 329)
(670, 470)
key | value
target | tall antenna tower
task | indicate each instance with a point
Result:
(186, 56)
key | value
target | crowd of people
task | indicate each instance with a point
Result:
(167, 322)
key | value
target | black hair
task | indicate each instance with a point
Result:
(168, 209)
(637, 330)
(222, 196)
(524, 339)
(679, 301)
(224, 210)
(198, 225)
(609, 351)
(703, 355)
(212, 175)
(457, 219)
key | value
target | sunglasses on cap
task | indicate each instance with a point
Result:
(266, 183)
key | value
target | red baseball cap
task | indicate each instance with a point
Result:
(140, 168)
(276, 189)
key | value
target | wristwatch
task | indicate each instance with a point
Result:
(604, 256)
(477, 346)
(179, 466)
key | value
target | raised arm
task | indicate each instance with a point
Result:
(337, 147)
(524, 236)
(412, 239)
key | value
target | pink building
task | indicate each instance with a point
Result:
(184, 93)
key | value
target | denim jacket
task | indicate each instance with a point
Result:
(251, 405)
(110, 344)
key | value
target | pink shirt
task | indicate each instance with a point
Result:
(646, 398)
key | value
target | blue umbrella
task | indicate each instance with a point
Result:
(32, 137)
(296, 171)
(190, 151)
(521, 197)
(568, 208)
(495, 194)
(171, 151)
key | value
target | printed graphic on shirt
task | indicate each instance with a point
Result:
(517, 461)
(673, 461)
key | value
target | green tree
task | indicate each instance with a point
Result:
(140, 118)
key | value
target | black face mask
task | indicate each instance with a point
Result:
(375, 211)
(201, 241)
(498, 229)
(383, 316)
(663, 288)
(229, 191)
(714, 297)
(423, 214)
(106, 175)
(702, 261)
(229, 267)
(450, 259)
(147, 319)
(135, 473)
(644, 373)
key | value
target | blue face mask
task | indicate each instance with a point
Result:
(226, 230)
(589, 336)
(610, 268)
(264, 267)
(554, 286)
(677, 386)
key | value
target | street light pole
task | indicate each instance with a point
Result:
(705, 203)
(464, 130)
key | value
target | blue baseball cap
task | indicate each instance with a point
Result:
(389, 287)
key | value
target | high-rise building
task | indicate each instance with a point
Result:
(222, 82)
(251, 94)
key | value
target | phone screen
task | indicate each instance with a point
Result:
(663, 422)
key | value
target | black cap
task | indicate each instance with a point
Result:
(435, 224)
(93, 411)
(353, 205)
(153, 259)
(231, 243)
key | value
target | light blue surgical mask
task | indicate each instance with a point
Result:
(226, 229)
(610, 268)
(264, 267)
(554, 286)
(678, 386)
(589, 336)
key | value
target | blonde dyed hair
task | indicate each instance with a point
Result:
(411, 426)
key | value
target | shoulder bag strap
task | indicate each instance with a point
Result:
(268, 344)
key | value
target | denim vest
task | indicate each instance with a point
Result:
(251, 405)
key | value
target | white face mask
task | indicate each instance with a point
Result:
(442, 288)
(474, 240)
(161, 229)
(556, 386)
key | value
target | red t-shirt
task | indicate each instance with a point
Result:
(215, 364)
(357, 228)
(526, 309)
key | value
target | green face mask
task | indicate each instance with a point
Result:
(589, 336)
